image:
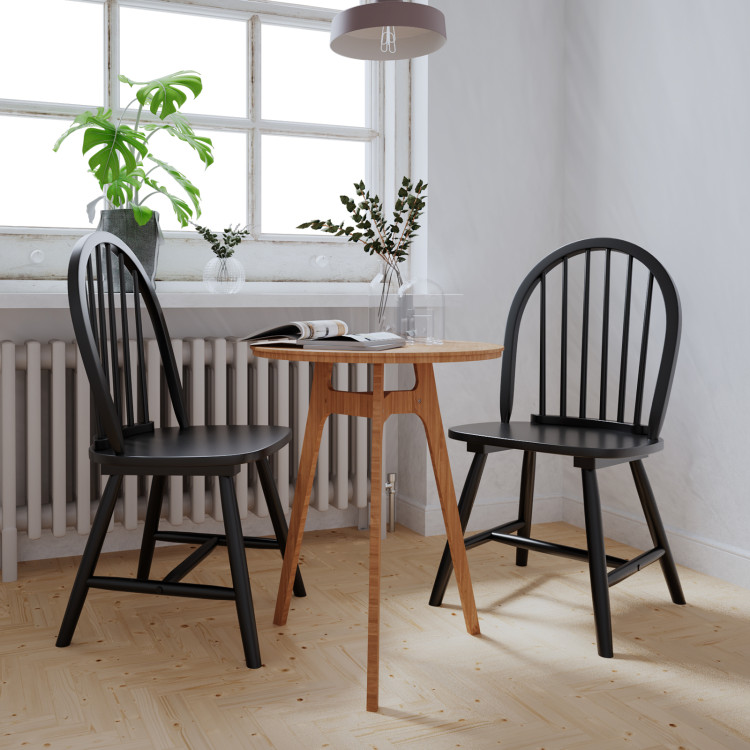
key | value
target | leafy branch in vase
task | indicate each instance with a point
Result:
(389, 241)
(230, 238)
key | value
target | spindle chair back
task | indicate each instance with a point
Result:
(616, 339)
(100, 308)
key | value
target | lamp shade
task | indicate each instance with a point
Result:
(388, 30)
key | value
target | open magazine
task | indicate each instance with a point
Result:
(357, 341)
(324, 334)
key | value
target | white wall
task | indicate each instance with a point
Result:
(657, 150)
(551, 121)
(495, 206)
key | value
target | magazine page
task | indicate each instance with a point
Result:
(321, 329)
(297, 331)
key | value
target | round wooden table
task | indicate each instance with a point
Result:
(377, 405)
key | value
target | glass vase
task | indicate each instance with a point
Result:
(383, 300)
(224, 275)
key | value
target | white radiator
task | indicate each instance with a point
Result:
(48, 483)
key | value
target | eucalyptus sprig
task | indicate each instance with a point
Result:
(390, 241)
(230, 238)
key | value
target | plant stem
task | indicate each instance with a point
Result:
(137, 125)
(154, 131)
(406, 224)
(385, 289)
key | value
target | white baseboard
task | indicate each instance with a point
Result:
(723, 561)
(486, 514)
(731, 564)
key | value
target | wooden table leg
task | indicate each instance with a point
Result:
(376, 466)
(423, 401)
(428, 409)
(316, 416)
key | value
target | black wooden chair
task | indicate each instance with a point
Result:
(101, 268)
(595, 441)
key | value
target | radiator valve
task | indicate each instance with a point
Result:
(390, 486)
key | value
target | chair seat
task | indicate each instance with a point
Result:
(194, 450)
(589, 442)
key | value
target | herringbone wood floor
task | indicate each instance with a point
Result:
(162, 673)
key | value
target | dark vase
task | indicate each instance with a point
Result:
(142, 240)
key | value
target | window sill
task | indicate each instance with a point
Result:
(52, 294)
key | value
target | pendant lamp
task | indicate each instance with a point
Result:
(388, 30)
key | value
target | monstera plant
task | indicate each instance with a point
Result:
(121, 157)
(129, 172)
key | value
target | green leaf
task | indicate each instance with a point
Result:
(178, 127)
(192, 192)
(111, 144)
(121, 190)
(113, 147)
(179, 206)
(82, 121)
(165, 95)
(142, 215)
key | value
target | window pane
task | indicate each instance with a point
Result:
(34, 34)
(156, 43)
(302, 179)
(223, 185)
(41, 188)
(311, 85)
(59, 198)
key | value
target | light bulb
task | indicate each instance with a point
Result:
(388, 39)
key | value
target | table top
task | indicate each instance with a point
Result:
(448, 351)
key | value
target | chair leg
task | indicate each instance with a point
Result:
(91, 553)
(465, 505)
(276, 513)
(151, 526)
(525, 503)
(240, 577)
(656, 528)
(597, 563)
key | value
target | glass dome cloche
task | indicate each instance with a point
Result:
(421, 312)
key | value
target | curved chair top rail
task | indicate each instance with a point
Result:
(537, 279)
(102, 272)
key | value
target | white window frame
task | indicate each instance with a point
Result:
(34, 253)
